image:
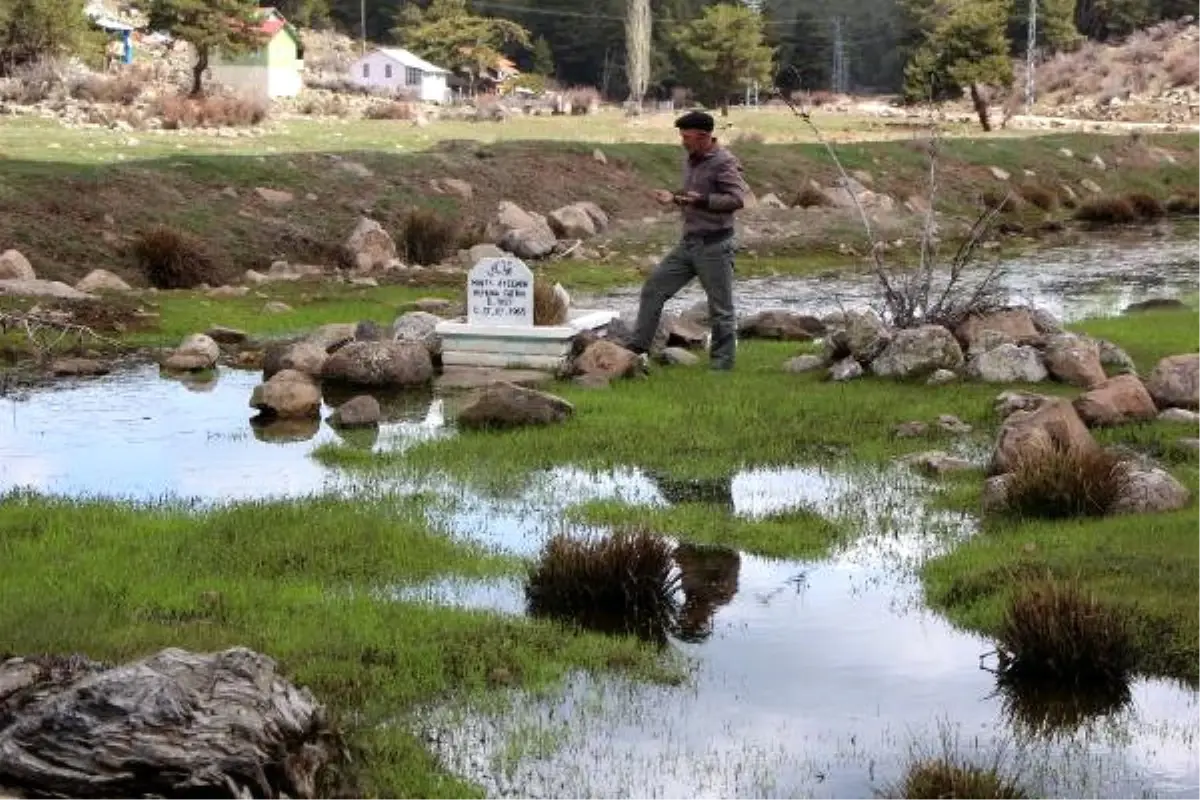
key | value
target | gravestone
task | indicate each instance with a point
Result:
(500, 293)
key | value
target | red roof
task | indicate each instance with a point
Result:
(273, 25)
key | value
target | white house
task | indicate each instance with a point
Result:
(399, 70)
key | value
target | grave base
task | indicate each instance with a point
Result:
(543, 347)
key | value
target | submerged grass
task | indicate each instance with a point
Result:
(303, 581)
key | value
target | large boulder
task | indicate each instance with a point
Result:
(915, 352)
(397, 364)
(370, 247)
(360, 411)
(1029, 434)
(419, 327)
(523, 234)
(1148, 488)
(607, 360)
(1008, 363)
(196, 352)
(288, 395)
(302, 356)
(781, 324)
(866, 335)
(581, 220)
(223, 724)
(101, 280)
(1115, 401)
(1175, 382)
(1015, 323)
(506, 405)
(1074, 360)
(14, 266)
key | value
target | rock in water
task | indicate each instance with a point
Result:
(177, 723)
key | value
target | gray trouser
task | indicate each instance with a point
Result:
(712, 263)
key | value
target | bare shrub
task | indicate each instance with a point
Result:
(35, 82)
(172, 259)
(395, 110)
(811, 196)
(1145, 205)
(1186, 202)
(1183, 68)
(1038, 195)
(124, 88)
(582, 99)
(429, 237)
(324, 105)
(1052, 632)
(1106, 210)
(211, 111)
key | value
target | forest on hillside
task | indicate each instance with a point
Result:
(846, 45)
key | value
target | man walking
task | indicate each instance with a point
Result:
(713, 189)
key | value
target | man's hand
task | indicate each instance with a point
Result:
(664, 197)
(691, 198)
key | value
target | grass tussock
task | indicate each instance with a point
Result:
(429, 237)
(393, 109)
(950, 778)
(1065, 482)
(211, 111)
(1124, 209)
(624, 582)
(549, 306)
(172, 259)
(1186, 202)
(811, 197)
(1039, 196)
(1055, 633)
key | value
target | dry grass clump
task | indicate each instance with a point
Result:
(1186, 202)
(549, 304)
(1052, 633)
(1106, 210)
(428, 237)
(123, 88)
(624, 582)
(393, 109)
(1062, 482)
(211, 111)
(172, 259)
(810, 197)
(1038, 195)
(948, 778)
(1146, 205)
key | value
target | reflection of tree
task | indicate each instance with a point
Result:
(709, 578)
(1045, 711)
(715, 491)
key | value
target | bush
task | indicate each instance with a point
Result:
(1065, 482)
(210, 111)
(1145, 205)
(945, 778)
(1183, 69)
(811, 196)
(583, 99)
(124, 88)
(1037, 195)
(171, 259)
(1187, 202)
(549, 306)
(1054, 634)
(1106, 210)
(395, 109)
(1007, 201)
(622, 583)
(428, 238)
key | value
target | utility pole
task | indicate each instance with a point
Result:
(1030, 48)
(362, 18)
(839, 79)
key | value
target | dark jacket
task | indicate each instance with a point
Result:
(717, 177)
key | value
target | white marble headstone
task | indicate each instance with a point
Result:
(500, 292)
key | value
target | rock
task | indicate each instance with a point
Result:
(845, 370)
(952, 424)
(988, 339)
(506, 405)
(380, 364)
(276, 307)
(771, 200)
(1115, 357)
(1045, 322)
(1147, 488)
(275, 197)
(941, 377)
(1115, 401)
(599, 157)
(1028, 434)
(1008, 402)
(370, 247)
(177, 723)
(1175, 382)
(936, 462)
(679, 357)
(222, 335)
(360, 411)
(918, 351)
(1015, 323)
(368, 330)
(865, 334)
(303, 356)
(14, 266)
(580, 220)
(481, 251)
(910, 430)
(999, 174)
(521, 233)
(1179, 415)
(101, 280)
(228, 292)
(681, 331)
(78, 366)
(288, 394)
(783, 325)
(40, 288)
(1074, 360)
(421, 327)
(196, 352)
(1008, 363)
(455, 186)
(332, 336)
(607, 359)
(803, 363)
(1153, 304)
(1091, 186)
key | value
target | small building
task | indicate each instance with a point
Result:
(398, 70)
(273, 70)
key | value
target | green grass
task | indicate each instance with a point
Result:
(298, 581)
(794, 534)
(692, 423)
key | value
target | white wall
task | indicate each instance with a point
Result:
(259, 81)
(431, 87)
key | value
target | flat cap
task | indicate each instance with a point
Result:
(695, 121)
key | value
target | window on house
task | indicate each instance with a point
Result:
(366, 70)
(387, 70)
(412, 76)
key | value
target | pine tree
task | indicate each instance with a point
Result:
(724, 50)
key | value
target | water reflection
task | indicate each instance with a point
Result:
(1047, 712)
(709, 579)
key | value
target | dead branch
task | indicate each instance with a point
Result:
(36, 327)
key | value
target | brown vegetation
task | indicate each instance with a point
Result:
(625, 582)
(428, 237)
(810, 197)
(210, 111)
(946, 778)
(1053, 633)
(549, 308)
(171, 259)
(392, 109)
(1065, 482)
